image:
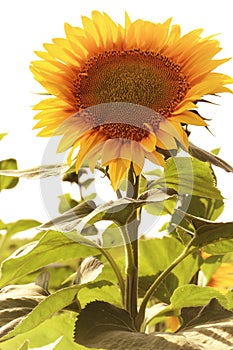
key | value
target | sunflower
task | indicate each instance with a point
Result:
(143, 64)
(222, 279)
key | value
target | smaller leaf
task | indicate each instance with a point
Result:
(213, 232)
(9, 181)
(43, 280)
(112, 236)
(191, 295)
(89, 270)
(21, 225)
(66, 203)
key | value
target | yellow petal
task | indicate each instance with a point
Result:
(189, 118)
(155, 158)
(117, 172)
(111, 151)
(165, 140)
(175, 130)
(138, 157)
(149, 142)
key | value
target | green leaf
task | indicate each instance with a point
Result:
(108, 293)
(7, 182)
(215, 151)
(66, 203)
(207, 232)
(60, 325)
(53, 246)
(104, 326)
(162, 208)
(21, 225)
(213, 232)
(189, 176)
(112, 236)
(191, 295)
(44, 310)
(220, 247)
(16, 302)
(205, 208)
(196, 316)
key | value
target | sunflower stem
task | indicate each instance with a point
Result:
(130, 235)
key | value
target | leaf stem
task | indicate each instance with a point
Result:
(141, 314)
(116, 270)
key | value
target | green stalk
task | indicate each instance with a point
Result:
(130, 236)
(141, 314)
(131, 274)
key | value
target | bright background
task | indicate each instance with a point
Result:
(27, 24)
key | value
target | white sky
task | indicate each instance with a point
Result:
(27, 24)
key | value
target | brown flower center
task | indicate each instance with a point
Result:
(139, 77)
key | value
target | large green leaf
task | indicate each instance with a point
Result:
(60, 325)
(189, 176)
(44, 310)
(7, 182)
(47, 307)
(104, 326)
(53, 246)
